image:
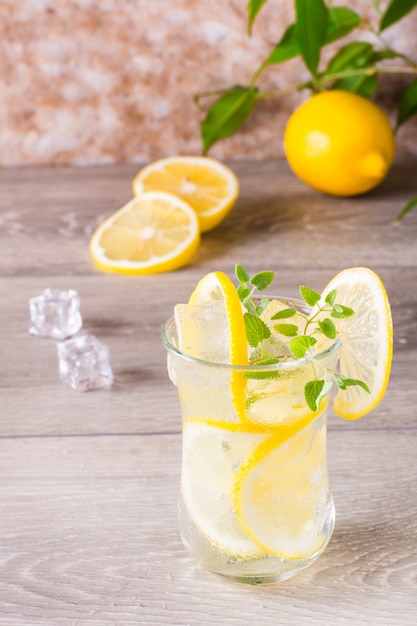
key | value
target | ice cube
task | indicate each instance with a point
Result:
(84, 363)
(55, 314)
(202, 331)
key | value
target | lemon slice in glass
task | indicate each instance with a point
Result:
(211, 457)
(281, 495)
(207, 185)
(216, 287)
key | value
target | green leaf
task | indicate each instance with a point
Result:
(300, 345)
(363, 84)
(284, 314)
(328, 328)
(410, 205)
(352, 57)
(331, 297)
(312, 391)
(241, 274)
(262, 280)
(340, 311)
(247, 304)
(243, 292)
(227, 114)
(311, 29)
(341, 21)
(254, 6)
(264, 375)
(408, 103)
(343, 382)
(395, 11)
(309, 296)
(289, 330)
(256, 329)
(262, 306)
(287, 48)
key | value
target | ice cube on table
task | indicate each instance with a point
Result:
(202, 331)
(84, 363)
(55, 314)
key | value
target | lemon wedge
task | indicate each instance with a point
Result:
(157, 232)
(367, 339)
(207, 185)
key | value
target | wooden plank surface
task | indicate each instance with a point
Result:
(89, 482)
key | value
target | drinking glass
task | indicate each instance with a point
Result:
(255, 501)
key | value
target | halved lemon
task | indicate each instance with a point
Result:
(367, 339)
(281, 495)
(207, 185)
(157, 232)
(210, 459)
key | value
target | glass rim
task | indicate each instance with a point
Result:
(284, 365)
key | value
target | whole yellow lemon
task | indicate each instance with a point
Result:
(339, 143)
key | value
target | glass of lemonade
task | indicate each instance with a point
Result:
(255, 500)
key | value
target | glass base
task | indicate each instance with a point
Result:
(264, 569)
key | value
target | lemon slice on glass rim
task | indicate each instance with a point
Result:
(208, 186)
(156, 232)
(366, 337)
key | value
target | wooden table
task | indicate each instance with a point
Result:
(89, 482)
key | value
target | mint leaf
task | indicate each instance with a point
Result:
(284, 314)
(331, 297)
(243, 292)
(261, 307)
(300, 345)
(328, 328)
(241, 274)
(312, 391)
(340, 311)
(343, 383)
(262, 280)
(309, 296)
(289, 330)
(256, 329)
(264, 375)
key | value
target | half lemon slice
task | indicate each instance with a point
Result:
(210, 187)
(157, 232)
(367, 339)
(210, 458)
(281, 495)
(217, 287)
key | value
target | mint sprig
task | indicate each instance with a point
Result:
(301, 341)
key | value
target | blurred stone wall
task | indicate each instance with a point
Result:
(104, 81)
